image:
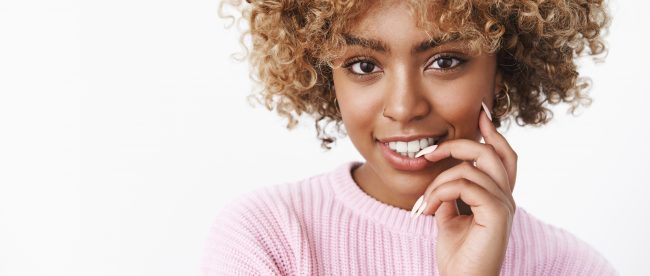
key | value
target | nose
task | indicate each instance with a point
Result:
(405, 99)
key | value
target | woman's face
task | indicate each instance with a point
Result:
(393, 85)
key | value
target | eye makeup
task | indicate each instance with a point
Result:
(446, 63)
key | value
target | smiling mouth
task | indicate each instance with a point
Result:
(411, 147)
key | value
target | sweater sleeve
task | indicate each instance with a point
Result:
(259, 234)
(539, 248)
(580, 258)
(234, 248)
(238, 243)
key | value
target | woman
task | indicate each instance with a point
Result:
(416, 84)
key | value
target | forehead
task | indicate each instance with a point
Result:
(392, 25)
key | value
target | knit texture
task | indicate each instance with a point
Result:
(327, 225)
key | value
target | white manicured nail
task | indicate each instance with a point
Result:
(417, 205)
(421, 210)
(426, 150)
(487, 112)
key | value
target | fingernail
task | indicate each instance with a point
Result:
(417, 205)
(426, 150)
(487, 112)
(421, 210)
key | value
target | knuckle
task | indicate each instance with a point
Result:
(465, 183)
(489, 148)
(460, 183)
(466, 166)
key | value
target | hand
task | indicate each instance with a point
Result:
(474, 244)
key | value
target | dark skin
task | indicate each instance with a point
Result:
(386, 85)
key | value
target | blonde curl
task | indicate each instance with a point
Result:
(536, 42)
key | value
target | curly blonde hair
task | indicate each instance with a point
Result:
(536, 43)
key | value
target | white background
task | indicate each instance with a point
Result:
(124, 128)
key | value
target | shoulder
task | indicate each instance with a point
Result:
(280, 204)
(546, 249)
(261, 231)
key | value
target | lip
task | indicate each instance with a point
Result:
(408, 138)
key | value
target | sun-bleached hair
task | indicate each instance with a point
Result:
(537, 43)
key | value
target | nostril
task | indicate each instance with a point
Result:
(406, 109)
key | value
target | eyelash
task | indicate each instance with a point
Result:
(460, 60)
(348, 65)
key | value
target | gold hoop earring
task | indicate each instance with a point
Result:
(336, 105)
(506, 91)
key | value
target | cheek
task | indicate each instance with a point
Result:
(358, 112)
(459, 103)
(359, 108)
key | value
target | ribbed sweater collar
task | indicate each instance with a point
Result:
(396, 219)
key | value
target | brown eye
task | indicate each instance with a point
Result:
(445, 63)
(363, 67)
(366, 67)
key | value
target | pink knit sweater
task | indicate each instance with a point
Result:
(327, 225)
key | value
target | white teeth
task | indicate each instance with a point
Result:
(400, 146)
(424, 143)
(413, 146)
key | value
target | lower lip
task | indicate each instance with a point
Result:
(402, 163)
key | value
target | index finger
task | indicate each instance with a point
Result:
(501, 146)
(484, 155)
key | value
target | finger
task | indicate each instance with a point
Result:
(467, 171)
(484, 155)
(446, 211)
(501, 146)
(485, 206)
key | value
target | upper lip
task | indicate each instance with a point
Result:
(408, 138)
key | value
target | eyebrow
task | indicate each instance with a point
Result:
(381, 46)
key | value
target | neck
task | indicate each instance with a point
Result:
(374, 186)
